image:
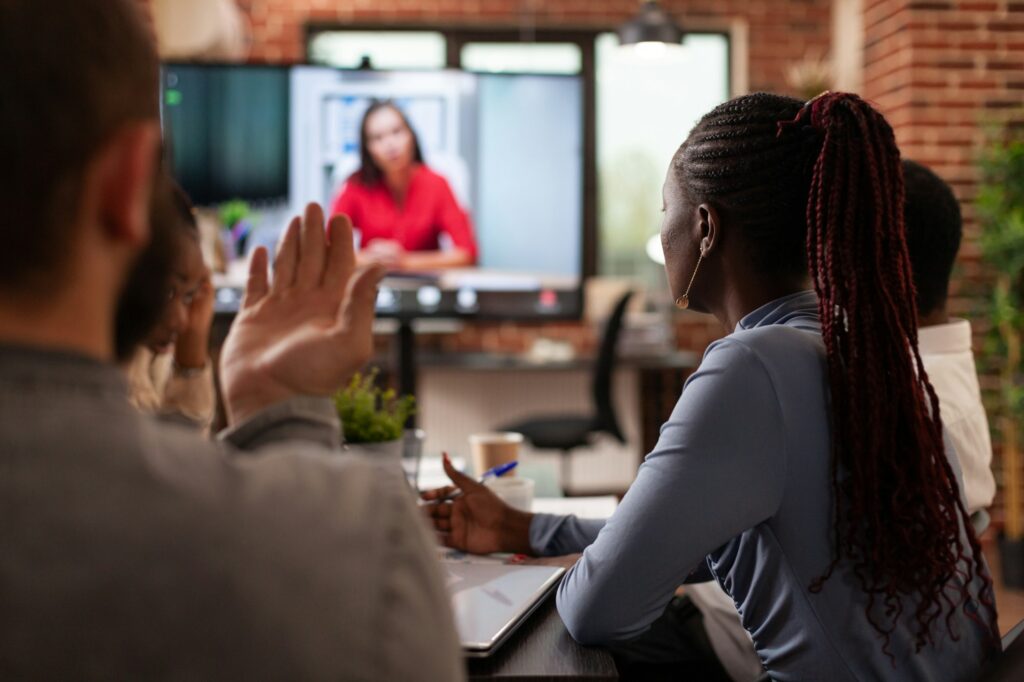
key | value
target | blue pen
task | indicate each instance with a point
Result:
(493, 472)
(499, 470)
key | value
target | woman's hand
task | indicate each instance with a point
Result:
(477, 521)
(386, 252)
(191, 346)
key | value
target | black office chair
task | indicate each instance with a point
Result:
(568, 432)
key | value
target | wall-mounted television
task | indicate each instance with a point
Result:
(509, 148)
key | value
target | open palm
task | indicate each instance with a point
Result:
(308, 331)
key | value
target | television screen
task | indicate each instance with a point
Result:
(497, 194)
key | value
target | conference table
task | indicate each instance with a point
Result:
(542, 649)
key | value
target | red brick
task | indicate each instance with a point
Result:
(1006, 26)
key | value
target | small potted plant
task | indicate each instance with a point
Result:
(235, 219)
(1000, 205)
(373, 419)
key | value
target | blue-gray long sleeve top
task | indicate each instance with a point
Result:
(738, 489)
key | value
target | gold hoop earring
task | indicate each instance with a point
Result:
(683, 302)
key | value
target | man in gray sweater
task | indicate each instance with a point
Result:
(131, 549)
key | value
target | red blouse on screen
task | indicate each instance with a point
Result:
(430, 208)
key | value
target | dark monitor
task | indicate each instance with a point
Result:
(226, 131)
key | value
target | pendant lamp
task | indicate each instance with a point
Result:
(651, 24)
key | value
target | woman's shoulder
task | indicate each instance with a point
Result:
(427, 177)
(766, 349)
(352, 194)
(356, 186)
(788, 355)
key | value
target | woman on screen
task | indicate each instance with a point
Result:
(400, 206)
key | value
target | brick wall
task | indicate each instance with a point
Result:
(940, 70)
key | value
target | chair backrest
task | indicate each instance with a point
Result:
(604, 371)
(1009, 665)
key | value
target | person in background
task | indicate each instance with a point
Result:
(400, 207)
(804, 467)
(169, 371)
(137, 549)
(933, 238)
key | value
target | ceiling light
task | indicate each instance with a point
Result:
(651, 24)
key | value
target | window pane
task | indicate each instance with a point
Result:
(385, 49)
(550, 58)
(647, 101)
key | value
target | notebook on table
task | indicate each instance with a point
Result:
(491, 599)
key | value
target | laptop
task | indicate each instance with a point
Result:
(491, 600)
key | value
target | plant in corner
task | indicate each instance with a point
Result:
(1000, 206)
(371, 415)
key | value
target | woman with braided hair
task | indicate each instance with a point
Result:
(804, 466)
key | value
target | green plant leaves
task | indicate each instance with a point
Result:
(370, 414)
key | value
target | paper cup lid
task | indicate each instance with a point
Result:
(497, 437)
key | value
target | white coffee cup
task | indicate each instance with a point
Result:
(516, 492)
(494, 449)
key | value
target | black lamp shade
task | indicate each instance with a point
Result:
(651, 24)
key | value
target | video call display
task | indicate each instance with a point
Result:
(491, 222)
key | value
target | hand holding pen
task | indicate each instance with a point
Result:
(493, 472)
(470, 517)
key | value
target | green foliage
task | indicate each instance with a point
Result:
(233, 212)
(369, 414)
(1000, 205)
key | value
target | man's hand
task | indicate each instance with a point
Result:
(311, 329)
(477, 521)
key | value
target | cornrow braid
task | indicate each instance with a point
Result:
(819, 188)
(733, 156)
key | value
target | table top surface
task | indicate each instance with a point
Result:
(500, 361)
(542, 649)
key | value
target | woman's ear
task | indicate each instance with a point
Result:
(709, 226)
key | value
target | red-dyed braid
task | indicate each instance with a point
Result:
(898, 509)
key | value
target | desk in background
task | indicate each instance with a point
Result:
(463, 393)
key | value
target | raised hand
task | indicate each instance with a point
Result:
(308, 331)
(476, 521)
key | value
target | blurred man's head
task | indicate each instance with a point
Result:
(934, 227)
(79, 115)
